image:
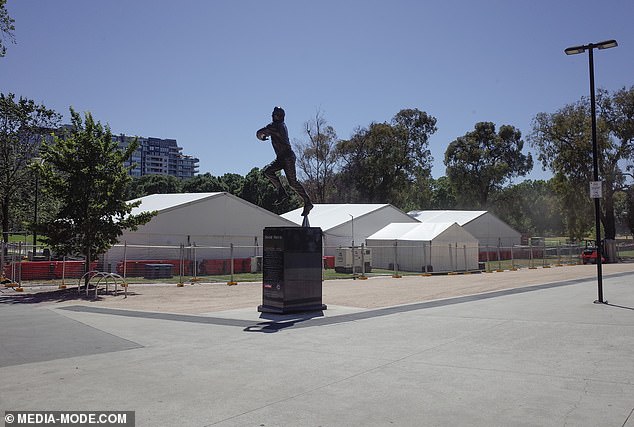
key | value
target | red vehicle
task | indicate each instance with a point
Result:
(589, 254)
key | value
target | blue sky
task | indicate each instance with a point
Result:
(208, 73)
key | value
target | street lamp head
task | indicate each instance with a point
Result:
(607, 44)
(601, 45)
(575, 50)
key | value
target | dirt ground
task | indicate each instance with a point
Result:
(375, 292)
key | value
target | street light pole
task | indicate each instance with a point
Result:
(38, 162)
(595, 153)
(37, 183)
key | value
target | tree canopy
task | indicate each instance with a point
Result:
(482, 160)
(155, 184)
(85, 169)
(6, 28)
(564, 142)
(317, 158)
(23, 125)
(389, 162)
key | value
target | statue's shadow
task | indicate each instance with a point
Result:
(276, 322)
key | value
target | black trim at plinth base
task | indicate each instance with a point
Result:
(288, 310)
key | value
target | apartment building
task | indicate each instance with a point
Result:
(156, 156)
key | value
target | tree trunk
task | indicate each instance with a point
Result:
(5, 220)
(5, 230)
(608, 218)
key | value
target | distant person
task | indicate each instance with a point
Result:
(285, 159)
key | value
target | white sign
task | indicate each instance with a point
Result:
(596, 189)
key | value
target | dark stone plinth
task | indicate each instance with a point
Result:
(291, 267)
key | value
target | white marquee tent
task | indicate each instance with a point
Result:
(438, 247)
(347, 224)
(487, 228)
(210, 221)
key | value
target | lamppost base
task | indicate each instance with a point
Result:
(600, 302)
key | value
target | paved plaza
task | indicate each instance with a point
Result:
(526, 348)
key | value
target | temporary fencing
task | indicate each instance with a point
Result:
(19, 264)
(217, 263)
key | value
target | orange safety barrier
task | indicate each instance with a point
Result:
(223, 266)
(48, 270)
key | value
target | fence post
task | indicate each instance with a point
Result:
(531, 266)
(181, 256)
(125, 259)
(363, 276)
(231, 282)
(2, 259)
(424, 258)
(2, 249)
(513, 258)
(396, 275)
(354, 272)
(466, 266)
(451, 260)
(13, 267)
(63, 285)
(499, 256)
(195, 265)
(429, 265)
(19, 281)
(488, 269)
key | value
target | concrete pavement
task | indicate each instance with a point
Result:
(543, 355)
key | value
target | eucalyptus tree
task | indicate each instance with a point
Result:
(564, 142)
(389, 162)
(483, 160)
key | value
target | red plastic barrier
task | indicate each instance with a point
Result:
(329, 261)
(214, 266)
(242, 265)
(48, 270)
(223, 266)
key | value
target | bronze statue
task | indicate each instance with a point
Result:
(285, 159)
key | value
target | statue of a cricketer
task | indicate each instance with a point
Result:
(284, 160)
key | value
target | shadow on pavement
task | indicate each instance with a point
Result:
(57, 295)
(281, 321)
(620, 306)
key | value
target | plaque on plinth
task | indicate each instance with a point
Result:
(292, 270)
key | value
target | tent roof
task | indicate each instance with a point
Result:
(327, 216)
(411, 231)
(461, 217)
(166, 202)
(162, 202)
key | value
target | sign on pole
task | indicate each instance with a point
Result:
(596, 189)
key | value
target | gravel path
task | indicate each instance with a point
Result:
(375, 292)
